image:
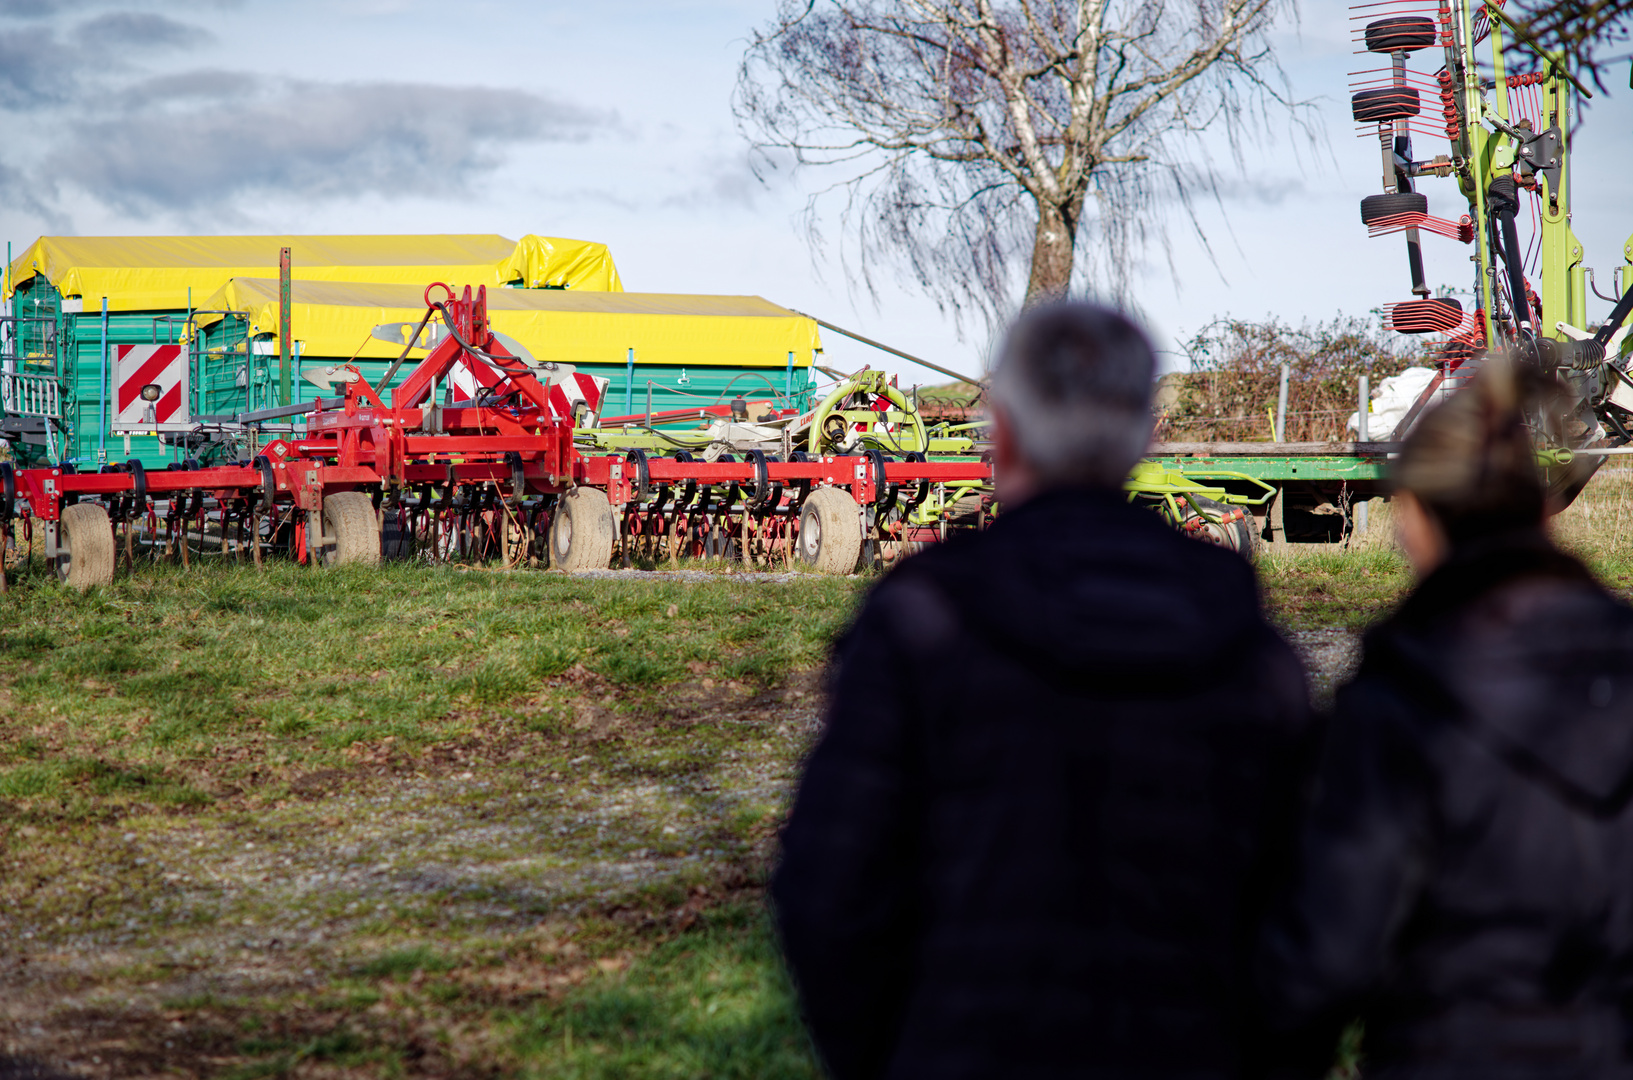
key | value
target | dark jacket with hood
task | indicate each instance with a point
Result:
(1032, 835)
(1467, 869)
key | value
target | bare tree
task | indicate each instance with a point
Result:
(1576, 29)
(970, 134)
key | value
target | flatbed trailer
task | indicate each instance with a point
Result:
(1318, 484)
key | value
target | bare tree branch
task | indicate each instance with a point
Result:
(1578, 30)
(977, 141)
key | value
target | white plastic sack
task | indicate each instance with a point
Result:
(1391, 401)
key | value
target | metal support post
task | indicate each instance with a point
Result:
(102, 401)
(1361, 436)
(629, 383)
(788, 384)
(1281, 405)
(284, 304)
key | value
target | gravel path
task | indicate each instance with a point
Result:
(1330, 657)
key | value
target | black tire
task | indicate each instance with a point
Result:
(830, 531)
(351, 530)
(85, 547)
(1389, 103)
(1229, 527)
(581, 533)
(1376, 208)
(1435, 315)
(1403, 33)
(1247, 536)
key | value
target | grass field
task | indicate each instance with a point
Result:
(411, 821)
(430, 822)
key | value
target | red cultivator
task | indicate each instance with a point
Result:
(495, 475)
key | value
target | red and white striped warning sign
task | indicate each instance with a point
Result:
(162, 366)
(562, 396)
(590, 389)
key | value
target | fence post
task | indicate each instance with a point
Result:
(1281, 406)
(1361, 436)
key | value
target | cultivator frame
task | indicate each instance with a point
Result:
(500, 474)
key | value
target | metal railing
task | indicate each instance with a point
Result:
(30, 395)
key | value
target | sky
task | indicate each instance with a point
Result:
(611, 120)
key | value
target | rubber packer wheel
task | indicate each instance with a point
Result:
(830, 531)
(85, 548)
(351, 530)
(1404, 33)
(581, 532)
(1376, 208)
(1390, 103)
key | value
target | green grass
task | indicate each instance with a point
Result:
(712, 1002)
(1308, 588)
(176, 748)
(299, 665)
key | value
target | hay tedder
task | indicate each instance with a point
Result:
(1509, 136)
(475, 456)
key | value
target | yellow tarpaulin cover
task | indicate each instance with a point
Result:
(154, 273)
(541, 262)
(332, 319)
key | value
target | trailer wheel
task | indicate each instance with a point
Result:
(582, 532)
(85, 548)
(830, 533)
(351, 531)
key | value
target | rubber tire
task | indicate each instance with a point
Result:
(1237, 536)
(1388, 103)
(349, 517)
(581, 532)
(830, 531)
(1247, 537)
(1403, 33)
(1378, 207)
(85, 547)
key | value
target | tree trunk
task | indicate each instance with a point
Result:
(1052, 248)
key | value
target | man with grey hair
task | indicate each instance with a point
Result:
(1033, 835)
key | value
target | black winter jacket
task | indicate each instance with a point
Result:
(1467, 870)
(1030, 839)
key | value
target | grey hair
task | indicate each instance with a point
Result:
(1074, 381)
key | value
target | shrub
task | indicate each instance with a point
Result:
(1230, 391)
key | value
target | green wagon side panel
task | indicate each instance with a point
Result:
(1286, 468)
